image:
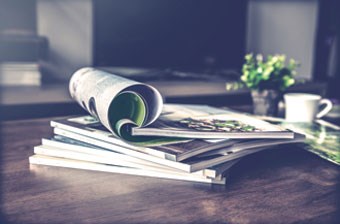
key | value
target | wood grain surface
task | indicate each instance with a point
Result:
(285, 185)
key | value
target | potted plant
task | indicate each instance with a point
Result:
(267, 79)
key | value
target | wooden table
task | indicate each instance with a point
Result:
(286, 185)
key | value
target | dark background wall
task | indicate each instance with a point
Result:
(272, 28)
(18, 14)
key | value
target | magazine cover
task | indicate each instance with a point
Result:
(321, 139)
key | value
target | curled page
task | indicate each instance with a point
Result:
(118, 103)
(132, 111)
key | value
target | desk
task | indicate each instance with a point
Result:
(286, 185)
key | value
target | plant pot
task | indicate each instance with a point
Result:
(265, 102)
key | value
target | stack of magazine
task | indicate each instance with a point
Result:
(130, 131)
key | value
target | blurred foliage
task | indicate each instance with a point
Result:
(260, 74)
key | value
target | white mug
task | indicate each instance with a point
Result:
(303, 107)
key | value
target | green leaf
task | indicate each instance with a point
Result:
(272, 73)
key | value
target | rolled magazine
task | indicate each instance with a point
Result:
(134, 112)
(114, 100)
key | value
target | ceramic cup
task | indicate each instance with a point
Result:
(303, 107)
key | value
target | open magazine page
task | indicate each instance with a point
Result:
(209, 123)
(131, 111)
(114, 100)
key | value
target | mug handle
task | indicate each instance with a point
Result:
(328, 107)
